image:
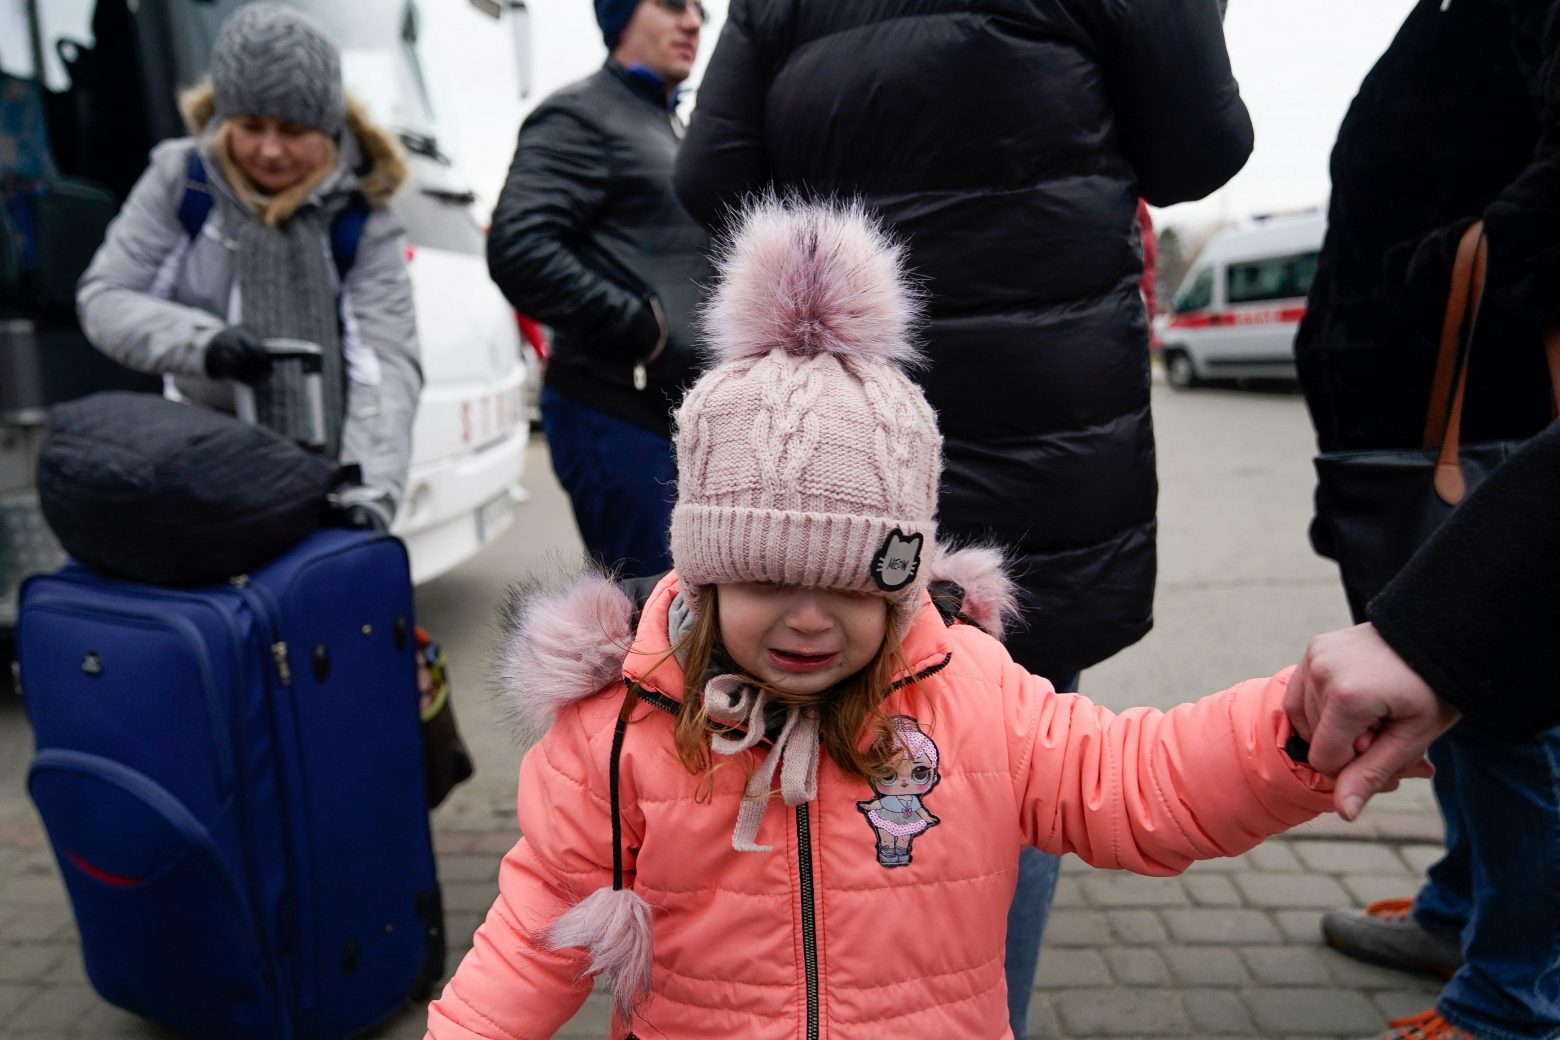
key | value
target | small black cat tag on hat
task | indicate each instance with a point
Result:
(896, 562)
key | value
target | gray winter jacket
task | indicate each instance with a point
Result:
(153, 298)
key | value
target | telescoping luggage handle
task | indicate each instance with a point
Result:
(307, 361)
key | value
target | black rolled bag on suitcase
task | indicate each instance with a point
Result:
(139, 487)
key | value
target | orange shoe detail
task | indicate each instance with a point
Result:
(1426, 1025)
(1390, 909)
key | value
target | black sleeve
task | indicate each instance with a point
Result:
(556, 186)
(1523, 223)
(1183, 125)
(1476, 611)
(722, 158)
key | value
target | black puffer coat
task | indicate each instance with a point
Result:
(1459, 119)
(587, 228)
(1008, 142)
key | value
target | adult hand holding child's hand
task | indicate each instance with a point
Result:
(1368, 716)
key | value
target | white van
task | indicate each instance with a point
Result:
(1236, 313)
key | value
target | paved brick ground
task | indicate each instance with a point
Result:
(1230, 949)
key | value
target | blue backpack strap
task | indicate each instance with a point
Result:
(195, 204)
(346, 232)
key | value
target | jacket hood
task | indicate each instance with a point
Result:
(566, 639)
(383, 170)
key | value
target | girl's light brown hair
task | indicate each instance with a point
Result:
(853, 730)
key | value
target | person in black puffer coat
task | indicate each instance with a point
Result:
(1459, 120)
(1007, 142)
(588, 237)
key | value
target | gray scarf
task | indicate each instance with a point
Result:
(732, 701)
(286, 282)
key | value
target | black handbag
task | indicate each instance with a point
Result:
(1375, 508)
(148, 489)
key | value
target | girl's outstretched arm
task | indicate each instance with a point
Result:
(1151, 791)
(514, 985)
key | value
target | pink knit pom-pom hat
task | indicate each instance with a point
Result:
(806, 456)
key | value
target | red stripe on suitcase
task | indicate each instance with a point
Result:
(99, 874)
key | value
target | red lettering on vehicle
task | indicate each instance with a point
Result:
(1226, 319)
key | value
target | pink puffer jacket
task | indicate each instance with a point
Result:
(820, 938)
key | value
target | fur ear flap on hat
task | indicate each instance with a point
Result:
(990, 598)
(811, 279)
(562, 641)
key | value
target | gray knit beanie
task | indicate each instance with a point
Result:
(269, 60)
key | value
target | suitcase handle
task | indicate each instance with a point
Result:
(310, 358)
(311, 354)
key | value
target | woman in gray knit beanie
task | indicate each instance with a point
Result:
(270, 223)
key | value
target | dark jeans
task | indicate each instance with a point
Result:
(1498, 886)
(1031, 907)
(621, 480)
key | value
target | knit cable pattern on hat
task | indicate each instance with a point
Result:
(269, 60)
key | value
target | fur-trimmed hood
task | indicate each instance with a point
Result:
(564, 640)
(383, 169)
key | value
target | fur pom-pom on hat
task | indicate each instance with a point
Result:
(811, 279)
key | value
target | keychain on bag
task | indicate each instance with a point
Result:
(446, 762)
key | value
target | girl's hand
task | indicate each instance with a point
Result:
(867, 807)
(931, 821)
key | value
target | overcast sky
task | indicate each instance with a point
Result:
(1299, 62)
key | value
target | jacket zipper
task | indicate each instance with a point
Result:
(809, 919)
(804, 863)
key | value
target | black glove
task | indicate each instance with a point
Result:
(237, 353)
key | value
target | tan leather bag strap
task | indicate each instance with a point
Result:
(1452, 327)
(1451, 374)
(1449, 482)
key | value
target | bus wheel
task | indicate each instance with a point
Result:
(1179, 371)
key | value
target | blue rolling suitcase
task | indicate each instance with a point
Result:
(231, 779)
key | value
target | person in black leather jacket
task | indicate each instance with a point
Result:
(589, 238)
